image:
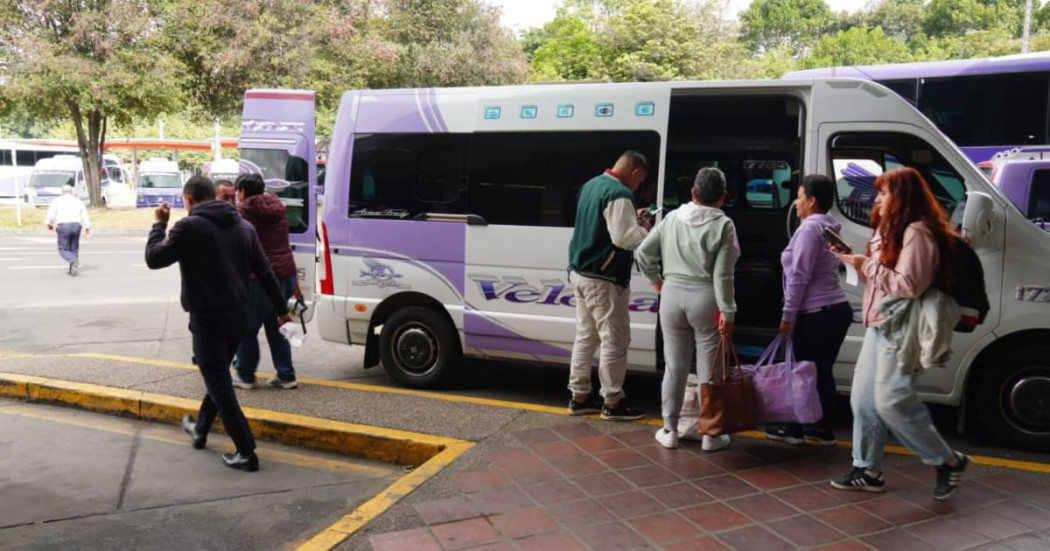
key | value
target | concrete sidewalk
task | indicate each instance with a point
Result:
(539, 479)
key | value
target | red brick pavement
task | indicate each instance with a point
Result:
(573, 488)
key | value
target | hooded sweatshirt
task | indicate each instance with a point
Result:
(811, 271)
(267, 214)
(216, 250)
(694, 244)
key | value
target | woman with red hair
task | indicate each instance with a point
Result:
(910, 252)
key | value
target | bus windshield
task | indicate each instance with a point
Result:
(167, 181)
(51, 179)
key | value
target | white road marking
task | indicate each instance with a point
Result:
(37, 267)
(92, 302)
(11, 259)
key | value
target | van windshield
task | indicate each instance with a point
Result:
(51, 179)
(167, 181)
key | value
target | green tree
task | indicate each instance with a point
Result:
(94, 62)
(955, 18)
(571, 51)
(797, 24)
(857, 46)
(901, 19)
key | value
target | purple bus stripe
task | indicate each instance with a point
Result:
(481, 332)
(439, 121)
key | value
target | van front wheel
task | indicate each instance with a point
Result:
(1013, 401)
(419, 347)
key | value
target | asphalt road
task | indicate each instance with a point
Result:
(118, 306)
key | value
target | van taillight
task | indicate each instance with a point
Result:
(327, 288)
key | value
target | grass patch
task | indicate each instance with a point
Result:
(104, 217)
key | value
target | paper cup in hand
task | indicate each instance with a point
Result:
(291, 332)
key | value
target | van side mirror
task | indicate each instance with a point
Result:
(977, 218)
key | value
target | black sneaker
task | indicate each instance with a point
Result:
(622, 412)
(858, 479)
(792, 434)
(820, 437)
(948, 478)
(583, 408)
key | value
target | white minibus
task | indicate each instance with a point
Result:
(447, 215)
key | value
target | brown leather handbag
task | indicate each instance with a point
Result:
(727, 402)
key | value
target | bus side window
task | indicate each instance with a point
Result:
(1039, 196)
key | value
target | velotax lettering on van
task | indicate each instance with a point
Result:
(272, 126)
(550, 291)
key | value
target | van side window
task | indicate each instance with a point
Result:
(5, 157)
(857, 159)
(288, 178)
(1039, 197)
(402, 175)
(534, 178)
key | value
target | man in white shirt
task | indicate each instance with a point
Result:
(68, 215)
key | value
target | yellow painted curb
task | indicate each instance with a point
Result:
(380, 444)
(351, 523)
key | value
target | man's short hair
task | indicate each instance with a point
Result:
(67, 189)
(636, 159)
(200, 189)
(709, 185)
(220, 183)
(821, 188)
(251, 183)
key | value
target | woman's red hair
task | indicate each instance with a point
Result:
(912, 201)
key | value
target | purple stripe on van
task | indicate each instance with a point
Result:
(439, 245)
(484, 334)
(400, 113)
(439, 121)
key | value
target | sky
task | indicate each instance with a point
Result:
(522, 14)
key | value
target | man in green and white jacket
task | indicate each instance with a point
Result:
(607, 229)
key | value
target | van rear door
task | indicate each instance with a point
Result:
(277, 140)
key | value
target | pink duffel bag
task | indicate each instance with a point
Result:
(785, 392)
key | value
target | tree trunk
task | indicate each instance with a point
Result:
(88, 143)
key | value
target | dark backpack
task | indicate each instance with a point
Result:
(969, 291)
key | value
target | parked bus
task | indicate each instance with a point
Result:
(17, 159)
(447, 215)
(984, 105)
(51, 174)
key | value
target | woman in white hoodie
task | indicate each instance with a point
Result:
(689, 258)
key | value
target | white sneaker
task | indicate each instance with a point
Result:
(667, 438)
(689, 435)
(714, 443)
(241, 383)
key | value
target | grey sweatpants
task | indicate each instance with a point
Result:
(688, 318)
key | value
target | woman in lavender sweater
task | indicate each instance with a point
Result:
(816, 314)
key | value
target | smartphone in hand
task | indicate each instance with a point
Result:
(836, 241)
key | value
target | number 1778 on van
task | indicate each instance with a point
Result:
(447, 215)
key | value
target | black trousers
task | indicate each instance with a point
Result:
(213, 350)
(818, 338)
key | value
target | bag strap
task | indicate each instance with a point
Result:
(770, 355)
(726, 357)
(789, 353)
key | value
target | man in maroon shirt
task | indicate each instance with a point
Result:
(266, 212)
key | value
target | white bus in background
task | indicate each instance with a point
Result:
(17, 159)
(50, 174)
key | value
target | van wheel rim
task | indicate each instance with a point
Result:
(416, 350)
(1026, 400)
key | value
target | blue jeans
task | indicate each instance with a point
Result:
(261, 314)
(69, 241)
(883, 398)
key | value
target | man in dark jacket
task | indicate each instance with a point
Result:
(266, 213)
(216, 251)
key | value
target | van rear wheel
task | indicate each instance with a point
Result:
(1013, 400)
(419, 347)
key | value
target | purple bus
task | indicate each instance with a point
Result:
(984, 105)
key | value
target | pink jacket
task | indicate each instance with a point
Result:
(913, 274)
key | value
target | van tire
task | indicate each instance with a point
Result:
(419, 347)
(1013, 397)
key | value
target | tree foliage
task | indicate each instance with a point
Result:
(94, 62)
(793, 24)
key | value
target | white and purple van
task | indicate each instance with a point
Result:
(159, 181)
(447, 215)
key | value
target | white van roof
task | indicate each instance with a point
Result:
(158, 164)
(63, 163)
